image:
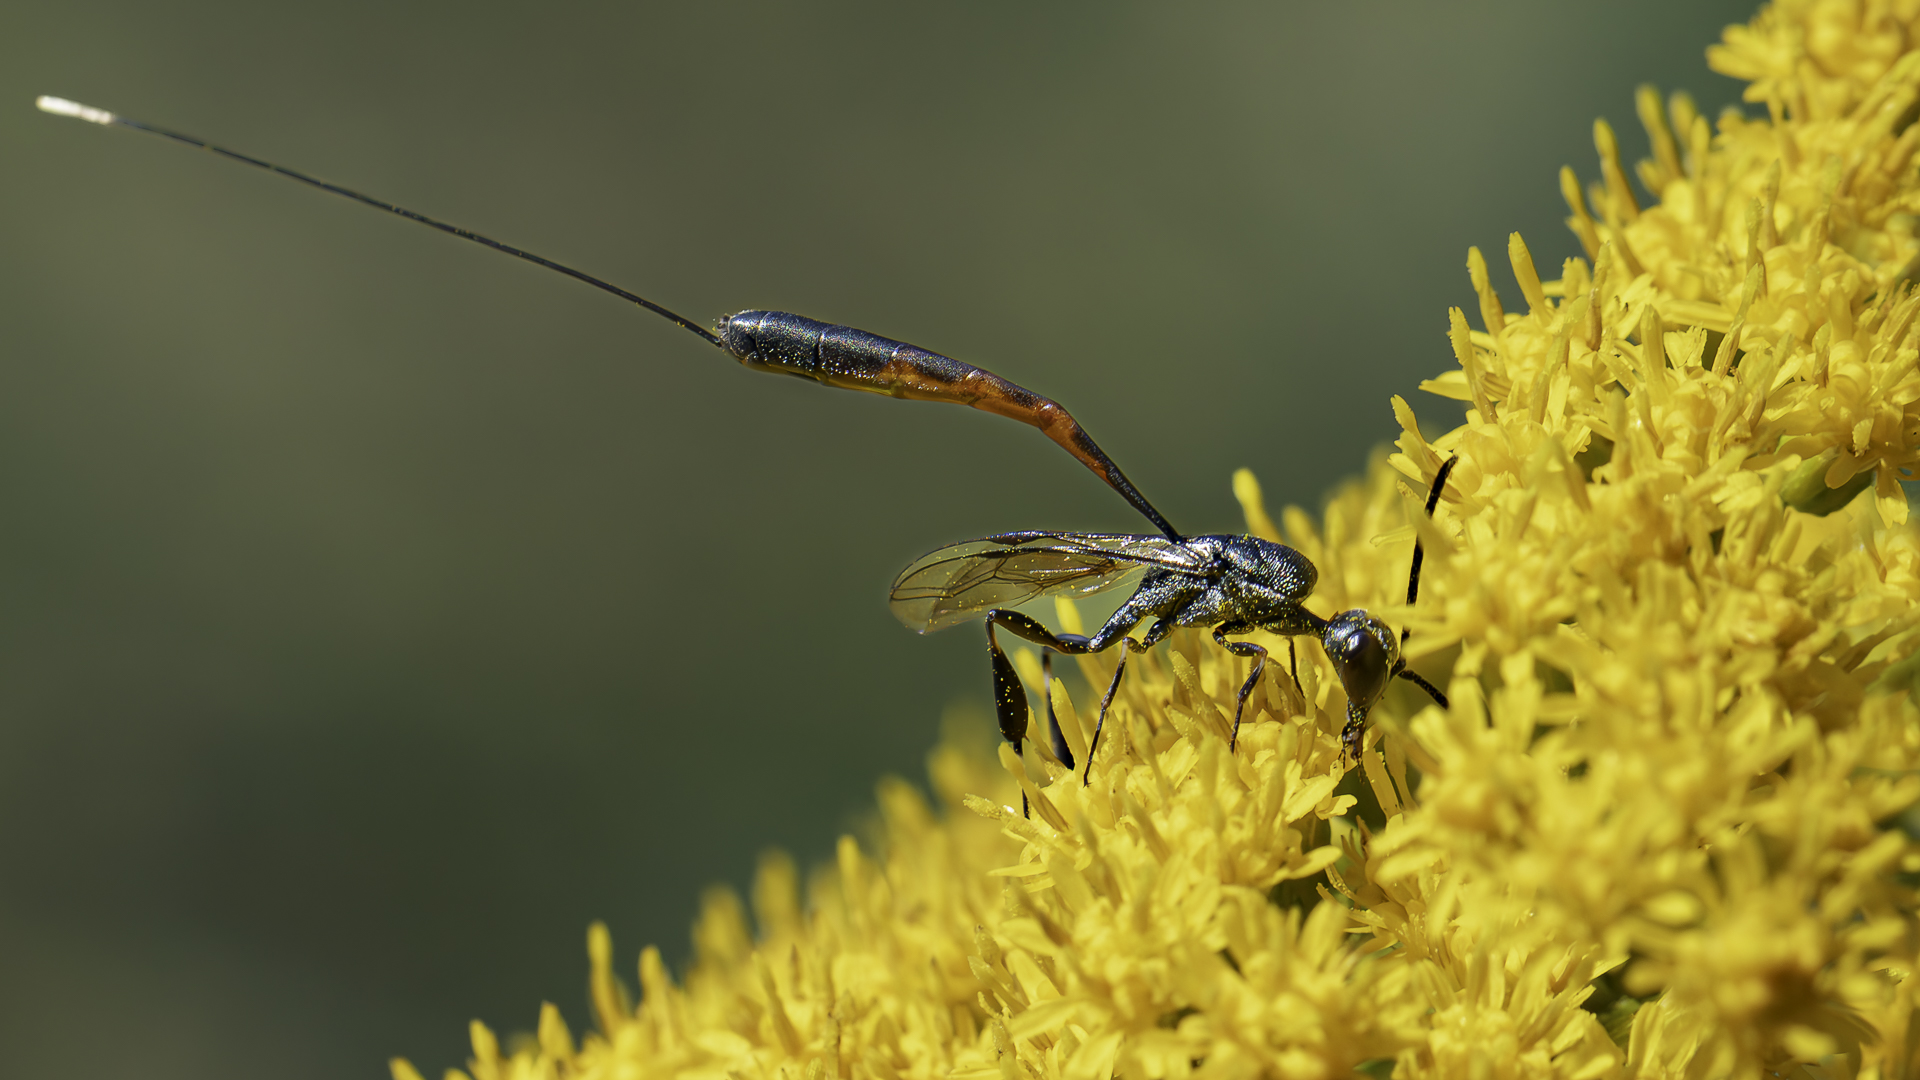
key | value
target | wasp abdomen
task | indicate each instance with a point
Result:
(856, 360)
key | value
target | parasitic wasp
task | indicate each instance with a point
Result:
(1234, 584)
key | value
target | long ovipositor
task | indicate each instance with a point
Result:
(857, 360)
(764, 340)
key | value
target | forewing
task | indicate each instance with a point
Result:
(958, 582)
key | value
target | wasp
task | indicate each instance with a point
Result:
(1234, 584)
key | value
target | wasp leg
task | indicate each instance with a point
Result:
(1155, 635)
(1061, 750)
(1241, 648)
(1012, 701)
(1009, 702)
(1353, 733)
(1009, 698)
(1126, 643)
(1293, 669)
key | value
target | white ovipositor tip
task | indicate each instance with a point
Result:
(63, 107)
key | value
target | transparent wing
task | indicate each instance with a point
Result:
(958, 582)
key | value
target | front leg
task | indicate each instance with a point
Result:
(1352, 735)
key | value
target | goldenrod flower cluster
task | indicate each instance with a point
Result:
(1671, 593)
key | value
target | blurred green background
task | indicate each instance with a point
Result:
(375, 610)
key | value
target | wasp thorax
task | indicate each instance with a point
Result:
(1363, 652)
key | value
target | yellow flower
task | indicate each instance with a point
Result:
(1657, 833)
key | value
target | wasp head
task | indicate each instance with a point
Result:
(1365, 655)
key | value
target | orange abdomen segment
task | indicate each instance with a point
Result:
(856, 360)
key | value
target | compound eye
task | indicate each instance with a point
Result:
(1362, 650)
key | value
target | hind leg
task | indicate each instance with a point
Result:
(1010, 700)
(1009, 697)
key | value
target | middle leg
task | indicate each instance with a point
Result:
(1055, 737)
(1241, 648)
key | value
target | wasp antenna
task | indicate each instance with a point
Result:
(1419, 551)
(62, 107)
(1433, 691)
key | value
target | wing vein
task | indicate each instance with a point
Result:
(961, 581)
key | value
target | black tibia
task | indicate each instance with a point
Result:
(1241, 648)
(1011, 701)
(1009, 697)
(1061, 751)
(1293, 669)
